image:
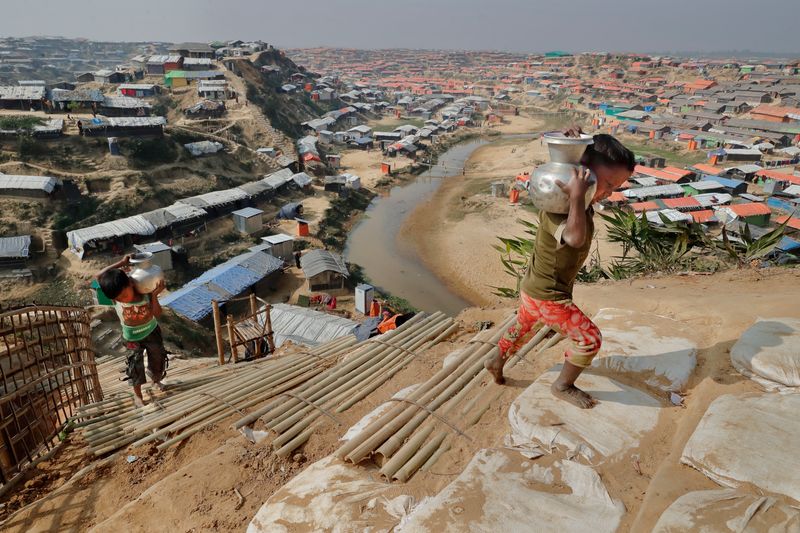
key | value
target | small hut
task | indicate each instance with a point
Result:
(324, 270)
(248, 220)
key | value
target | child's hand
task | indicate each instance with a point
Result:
(578, 184)
(159, 288)
(573, 131)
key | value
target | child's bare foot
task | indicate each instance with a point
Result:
(573, 395)
(495, 368)
(160, 386)
(138, 402)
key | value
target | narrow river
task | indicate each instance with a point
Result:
(373, 243)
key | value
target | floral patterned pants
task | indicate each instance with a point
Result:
(563, 316)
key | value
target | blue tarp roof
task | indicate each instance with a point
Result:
(727, 182)
(788, 245)
(222, 283)
(194, 302)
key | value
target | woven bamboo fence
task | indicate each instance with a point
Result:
(47, 371)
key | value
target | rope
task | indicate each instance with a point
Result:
(396, 347)
(315, 406)
(442, 419)
(220, 400)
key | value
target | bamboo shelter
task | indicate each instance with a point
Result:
(47, 373)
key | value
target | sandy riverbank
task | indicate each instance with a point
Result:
(455, 231)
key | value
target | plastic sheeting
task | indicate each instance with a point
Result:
(500, 490)
(306, 326)
(135, 225)
(15, 246)
(622, 416)
(216, 198)
(334, 497)
(728, 510)
(203, 147)
(656, 349)
(769, 353)
(43, 183)
(749, 438)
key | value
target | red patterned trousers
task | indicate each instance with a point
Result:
(563, 316)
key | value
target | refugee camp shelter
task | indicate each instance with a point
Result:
(162, 254)
(28, 186)
(324, 270)
(308, 327)
(248, 220)
(14, 251)
(137, 90)
(280, 246)
(253, 271)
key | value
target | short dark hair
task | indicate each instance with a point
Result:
(607, 150)
(113, 282)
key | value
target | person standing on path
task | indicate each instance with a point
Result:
(562, 246)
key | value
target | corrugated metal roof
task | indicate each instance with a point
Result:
(78, 95)
(194, 302)
(317, 261)
(44, 183)
(278, 179)
(124, 122)
(306, 326)
(152, 247)
(277, 239)
(15, 246)
(248, 212)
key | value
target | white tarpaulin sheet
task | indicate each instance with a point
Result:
(42, 183)
(501, 491)
(654, 348)
(15, 246)
(622, 416)
(728, 510)
(135, 225)
(203, 147)
(749, 438)
(306, 326)
(331, 496)
(769, 353)
(215, 198)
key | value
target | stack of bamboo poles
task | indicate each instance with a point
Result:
(203, 398)
(420, 428)
(293, 418)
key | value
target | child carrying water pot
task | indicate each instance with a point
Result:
(561, 247)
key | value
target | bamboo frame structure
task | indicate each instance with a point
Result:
(251, 335)
(47, 372)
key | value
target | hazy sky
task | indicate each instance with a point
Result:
(516, 25)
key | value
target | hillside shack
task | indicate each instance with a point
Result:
(324, 270)
(248, 220)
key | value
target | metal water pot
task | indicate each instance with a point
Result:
(145, 275)
(565, 155)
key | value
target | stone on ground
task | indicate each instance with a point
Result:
(769, 353)
(728, 511)
(500, 490)
(621, 418)
(653, 348)
(749, 439)
(332, 496)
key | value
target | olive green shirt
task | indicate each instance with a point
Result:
(554, 265)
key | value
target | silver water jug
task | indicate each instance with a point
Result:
(565, 155)
(145, 275)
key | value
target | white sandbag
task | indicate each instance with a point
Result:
(749, 438)
(622, 416)
(769, 353)
(728, 511)
(657, 349)
(501, 491)
(331, 496)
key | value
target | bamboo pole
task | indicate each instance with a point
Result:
(218, 331)
(232, 340)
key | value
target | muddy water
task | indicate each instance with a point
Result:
(373, 243)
